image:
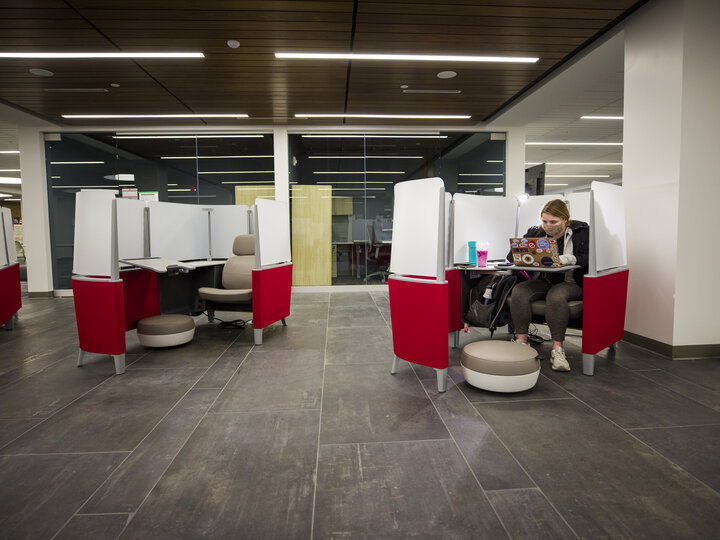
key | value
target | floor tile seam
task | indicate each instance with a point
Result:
(459, 449)
(354, 363)
(520, 400)
(646, 445)
(360, 325)
(181, 446)
(400, 441)
(522, 467)
(532, 479)
(679, 426)
(510, 490)
(81, 514)
(58, 411)
(100, 452)
(256, 411)
(319, 434)
(28, 375)
(681, 379)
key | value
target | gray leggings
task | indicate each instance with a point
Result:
(557, 311)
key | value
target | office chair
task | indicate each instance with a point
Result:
(236, 291)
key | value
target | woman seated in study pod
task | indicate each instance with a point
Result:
(556, 288)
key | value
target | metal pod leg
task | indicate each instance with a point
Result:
(257, 333)
(10, 323)
(211, 315)
(284, 323)
(396, 362)
(442, 379)
(81, 356)
(456, 339)
(119, 363)
(588, 364)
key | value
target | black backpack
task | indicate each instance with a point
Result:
(488, 301)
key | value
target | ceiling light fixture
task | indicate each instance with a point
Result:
(52, 55)
(573, 144)
(432, 91)
(359, 172)
(401, 116)
(235, 172)
(405, 57)
(187, 136)
(447, 74)
(556, 184)
(480, 174)
(9, 151)
(351, 182)
(588, 163)
(577, 176)
(495, 161)
(97, 116)
(233, 43)
(212, 157)
(3, 195)
(77, 163)
(374, 136)
(16, 200)
(9, 170)
(10, 180)
(589, 117)
(76, 90)
(479, 183)
(365, 157)
(41, 72)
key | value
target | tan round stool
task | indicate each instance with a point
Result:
(500, 366)
(165, 330)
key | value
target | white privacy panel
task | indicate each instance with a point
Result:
(131, 228)
(228, 221)
(178, 231)
(448, 231)
(273, 232)
(529, 212)
(579, 206)
(93, 233)
(417, 227)
(3, 234)
(609, 226)
(7, 223)
(483, 219)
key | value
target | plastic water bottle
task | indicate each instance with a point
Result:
(488, 294)
(472, 253)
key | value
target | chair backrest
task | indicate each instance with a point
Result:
(237, 272)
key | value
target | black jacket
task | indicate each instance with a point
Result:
(581, 246)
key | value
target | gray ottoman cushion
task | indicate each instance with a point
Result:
(500, 358)
(161, 325)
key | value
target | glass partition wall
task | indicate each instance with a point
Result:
(341, 185)
(342, 189)
(181, 168)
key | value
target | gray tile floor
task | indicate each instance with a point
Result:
(309, 436)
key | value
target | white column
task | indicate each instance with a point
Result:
(36, 223)
(282, 169)
(671, 185)
(515, 161)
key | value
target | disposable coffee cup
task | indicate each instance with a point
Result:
(482, 254)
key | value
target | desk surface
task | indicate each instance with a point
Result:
(160, 264)
(544, 268)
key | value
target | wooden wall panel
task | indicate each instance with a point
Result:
(312, 235)
(246, 194)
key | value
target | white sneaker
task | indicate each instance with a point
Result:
(558, 360)
(520, 342)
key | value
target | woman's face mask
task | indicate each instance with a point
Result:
(552, 225)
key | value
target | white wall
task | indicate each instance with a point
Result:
(515, 161)
(669, 178)
(697, 297)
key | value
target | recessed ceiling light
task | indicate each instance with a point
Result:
(403, 86)
(405, 57)
(587, 117)
(359, 172)
(97, 116)
(218, 136)
(478, 174)
(212, 157)
(77, 163)
(41, 72)
(233, 43)
(556, 184)
(10, 180)
(495, 161)
(120, 177)
(402, 116)
(114, 85)
(365, 157)
(446, 74)
(3, 195)
(9, 151)
(574, 163)
(235, 172)
(12, 199)
(101, 55)
(374, 136)
(573, 144)
(9, 170)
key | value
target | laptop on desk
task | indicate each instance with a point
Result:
(540, 252)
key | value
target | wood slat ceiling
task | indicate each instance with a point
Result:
(250, 80)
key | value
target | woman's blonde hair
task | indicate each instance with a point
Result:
(557, 208)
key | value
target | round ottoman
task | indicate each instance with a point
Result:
(500, 366)
(165, 330)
